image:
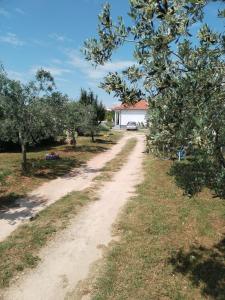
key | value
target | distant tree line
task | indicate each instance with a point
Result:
(36, 111)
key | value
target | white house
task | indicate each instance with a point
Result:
(127, 113)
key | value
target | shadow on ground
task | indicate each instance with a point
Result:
(192, 175)
(51, 169)
(41, 169)
(189, 175)
(26, 208)
(101, 141)
(85, 148)
(9, 201)
(205, 267)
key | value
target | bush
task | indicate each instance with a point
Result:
(103, 127)
(217, 183)
(110, 124)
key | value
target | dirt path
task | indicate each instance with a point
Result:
(67, 259)
(52, 191)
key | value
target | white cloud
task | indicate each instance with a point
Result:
(53, 70)
(11, 38)
(101, 71)
(96, 73)
(4, 12)
(38, 42)
(20, 11)
(24, 77)
(56, 61)
(61, 79)
(60, 37)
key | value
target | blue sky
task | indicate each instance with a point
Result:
(50, 33)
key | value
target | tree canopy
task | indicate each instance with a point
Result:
(30, 112)
(182, 78)
(95, 112)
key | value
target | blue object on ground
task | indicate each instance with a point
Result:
(181, 153)
(51, 156)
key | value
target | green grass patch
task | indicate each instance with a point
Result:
(171, 247)
(3, 175)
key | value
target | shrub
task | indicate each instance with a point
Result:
(104, 127)
(218, 183)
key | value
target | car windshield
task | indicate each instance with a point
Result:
(131, 123)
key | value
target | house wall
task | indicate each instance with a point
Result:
(132, 115)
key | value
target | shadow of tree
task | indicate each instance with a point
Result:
(194, 173)
(85, 148)
(190, 175)
(24, 208)
(101, 141)
(51, 169)
(9, 201)
(205, 267)
(42, 169)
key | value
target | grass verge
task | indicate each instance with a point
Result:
(171, 247)
(21, 250)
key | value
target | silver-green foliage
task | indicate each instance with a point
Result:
(30, 112)
(183, 81)
(182, 78)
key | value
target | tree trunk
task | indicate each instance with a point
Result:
(24, 152)
(92, 137)
(219, 156)
(24, 157)
(74, 141)
(218, 153)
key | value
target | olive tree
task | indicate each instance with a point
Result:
(75, 116)
(183, 81)
(29, 112)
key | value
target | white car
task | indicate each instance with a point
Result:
(132, 126)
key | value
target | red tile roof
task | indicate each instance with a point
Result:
(140, 105)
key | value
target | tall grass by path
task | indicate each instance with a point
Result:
(20, 250)
(171, 247)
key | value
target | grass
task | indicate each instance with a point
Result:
(171, 246)
(21, 249)
(13, 184)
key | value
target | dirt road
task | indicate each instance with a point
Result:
(67, 260)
